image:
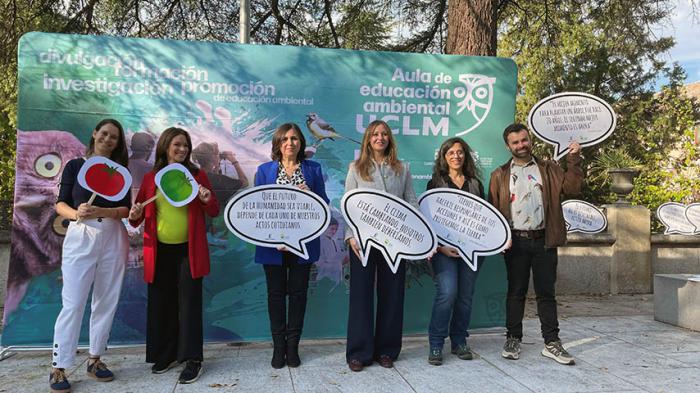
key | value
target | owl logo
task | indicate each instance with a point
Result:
(477, 97)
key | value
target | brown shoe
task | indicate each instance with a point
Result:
(356, 365)
(385, 361)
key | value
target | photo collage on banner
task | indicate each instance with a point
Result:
(231, 97)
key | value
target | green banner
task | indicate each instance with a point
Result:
(231, 98)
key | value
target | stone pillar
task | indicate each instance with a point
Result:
(630, 268)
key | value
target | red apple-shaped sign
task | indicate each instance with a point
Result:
(105, 178)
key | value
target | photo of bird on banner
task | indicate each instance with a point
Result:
(322, 130)
(105, 178)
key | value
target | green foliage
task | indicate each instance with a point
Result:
(611, 159)
(607, 48)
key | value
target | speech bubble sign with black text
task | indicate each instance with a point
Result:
(692, 214)
(563, 118)
(673, 216)
(581, 216)
(466, 222)
(104, 177)
(389, 224)
(277, 215)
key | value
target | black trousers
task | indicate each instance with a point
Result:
(370, 337)
(291, 279)
(524, 255)
(174, 324)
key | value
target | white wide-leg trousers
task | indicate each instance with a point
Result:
(94, 255)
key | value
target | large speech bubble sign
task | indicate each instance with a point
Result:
(581, 216)
(389, 224)
(563, 118)
(672, 215)
(466, 222)
(104, 177)
(278, 215)
(177, 184)
(692, 213)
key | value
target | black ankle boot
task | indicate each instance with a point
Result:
(279, 352)
(293, 353)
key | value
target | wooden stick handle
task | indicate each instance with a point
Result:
(149, 200)
(89, 202)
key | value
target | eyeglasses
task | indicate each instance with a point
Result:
(456, 153)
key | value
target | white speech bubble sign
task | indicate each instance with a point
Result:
(692, 214)
(389, 224)
(176, 184)
(563, 118)
(277, 215)
(581, 216)
(105, 178)
(466, 222)
(672, 215)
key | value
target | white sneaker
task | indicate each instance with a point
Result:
(556, 351)
(511, 349)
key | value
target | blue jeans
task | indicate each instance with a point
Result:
(454, 284)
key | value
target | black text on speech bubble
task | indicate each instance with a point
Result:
(389, 224)
(563, 118)
(466, 222)
(277, 215)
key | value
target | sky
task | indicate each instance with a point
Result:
(685, 28)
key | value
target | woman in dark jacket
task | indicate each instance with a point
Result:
(287, 275)
(454, 279)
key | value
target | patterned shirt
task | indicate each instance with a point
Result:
(296, 179)
(526, 207)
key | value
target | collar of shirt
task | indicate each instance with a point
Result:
(531, 162)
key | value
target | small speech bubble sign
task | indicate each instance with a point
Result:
(177, 184)
(563, 118)
(466, 222)
(581, 216)
(389, 224)
(105, 178)
(672, 215)
(692, 213)
(276, 215)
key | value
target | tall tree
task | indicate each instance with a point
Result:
(472, 27)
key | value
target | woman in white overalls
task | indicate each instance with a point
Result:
(94, 255)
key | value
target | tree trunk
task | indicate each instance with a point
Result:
(471, 27)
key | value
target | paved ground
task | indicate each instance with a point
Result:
(617, 344)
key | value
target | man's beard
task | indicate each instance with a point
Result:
(522, 153)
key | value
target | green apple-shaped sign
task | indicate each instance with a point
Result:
(177, 184)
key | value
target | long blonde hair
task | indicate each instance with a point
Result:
(363, 164)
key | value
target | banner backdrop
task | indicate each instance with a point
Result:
(231, 98)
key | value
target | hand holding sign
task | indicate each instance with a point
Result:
(105, 178)
(581, 216)
(278, 216)
(389, 224)
(563, 118)
(466, 222)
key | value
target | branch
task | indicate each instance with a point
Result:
(423, 40)
(85, 10)
(327, 8)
